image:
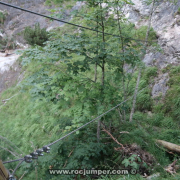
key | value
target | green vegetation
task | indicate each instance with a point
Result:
(7, 43)
(76, 76)
(172, 98)
(2, 17)
(58, 2)
(36, 36)
(178, 12)
(141, 33)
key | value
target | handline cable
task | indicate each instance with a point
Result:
(92, 120)
(11, 176)
(52, 18)
(17, 167)
(81, 126)
(5, 162)
(78, 128)
(24, 159)
(74, 130)
(87, 123)
(97, 117)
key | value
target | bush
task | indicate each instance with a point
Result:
(178, 11)
(7, 42)
(150, 73)
(55, 2)
(141, 33)
(2, 17)
(36, 36)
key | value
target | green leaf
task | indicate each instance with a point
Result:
(134, 165)
(126, 162)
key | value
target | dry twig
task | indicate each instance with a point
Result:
(112, 137)
(68, 156)
(172, 168)
(22, 175)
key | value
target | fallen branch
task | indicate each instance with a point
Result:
(22, 175)
(68, 156)
(124, 132)
(164, 149)
(71, 153)
(169, 146)
(112, 137)
(172, 168)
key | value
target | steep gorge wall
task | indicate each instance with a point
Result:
(166, 23)
(16, 20)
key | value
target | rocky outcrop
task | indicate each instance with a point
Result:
(160, 88)
(166, 23)
(17, 20)
(10, 71)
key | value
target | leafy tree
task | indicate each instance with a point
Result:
(82, 73)
(75, 77)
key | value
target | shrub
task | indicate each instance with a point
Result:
(36, 36)
(7, 42)
(50, 2)
(178, 11)
(150, 73)
(55, 2)
(2, 17)
(141, 33)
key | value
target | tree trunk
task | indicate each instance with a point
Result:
(123, 50)
(139, 74)
(169, 146)
(103, 72)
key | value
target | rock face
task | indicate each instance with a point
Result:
(17, 20)
(160, 85)
(166, 23)
(6, 61)
(10, 71)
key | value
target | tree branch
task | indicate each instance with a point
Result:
(112, 136)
